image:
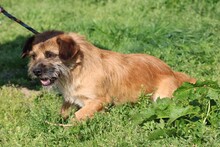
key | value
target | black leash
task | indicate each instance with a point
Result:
(2, 10)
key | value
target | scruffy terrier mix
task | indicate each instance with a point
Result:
(91, 77)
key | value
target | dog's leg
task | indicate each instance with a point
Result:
(91, 106)
(65, 109)
(165, 89)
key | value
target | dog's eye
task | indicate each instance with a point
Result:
(49, 54)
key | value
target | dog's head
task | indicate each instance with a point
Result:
(52, 54)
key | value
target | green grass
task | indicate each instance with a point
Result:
(185, 34)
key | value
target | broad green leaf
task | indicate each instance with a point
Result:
(177, 112)
(161, 133)
(213, 94)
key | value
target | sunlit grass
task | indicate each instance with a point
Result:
(184, 34)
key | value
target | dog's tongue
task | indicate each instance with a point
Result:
(45, 82)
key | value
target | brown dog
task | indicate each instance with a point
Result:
(90, 77)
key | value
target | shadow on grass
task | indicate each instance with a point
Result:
(13, 69)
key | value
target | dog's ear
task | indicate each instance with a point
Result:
(67, 47)
(27, 46)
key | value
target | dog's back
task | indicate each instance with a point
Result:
(123, 77)
(139, 73)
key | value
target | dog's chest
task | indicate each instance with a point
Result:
(75, 93)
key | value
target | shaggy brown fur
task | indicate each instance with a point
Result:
(91, 77)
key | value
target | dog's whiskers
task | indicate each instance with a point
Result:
(61, 69)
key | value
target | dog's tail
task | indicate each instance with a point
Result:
(182, 77)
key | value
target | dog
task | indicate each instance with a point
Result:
(92, 78)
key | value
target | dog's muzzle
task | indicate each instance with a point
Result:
(46, 75)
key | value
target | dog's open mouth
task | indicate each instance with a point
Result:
(47, 81)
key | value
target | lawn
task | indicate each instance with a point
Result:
(185, 34)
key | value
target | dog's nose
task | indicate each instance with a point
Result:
(37, 72)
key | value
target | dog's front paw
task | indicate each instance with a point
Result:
(65, 110)
(80, 116)
(64, 115)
